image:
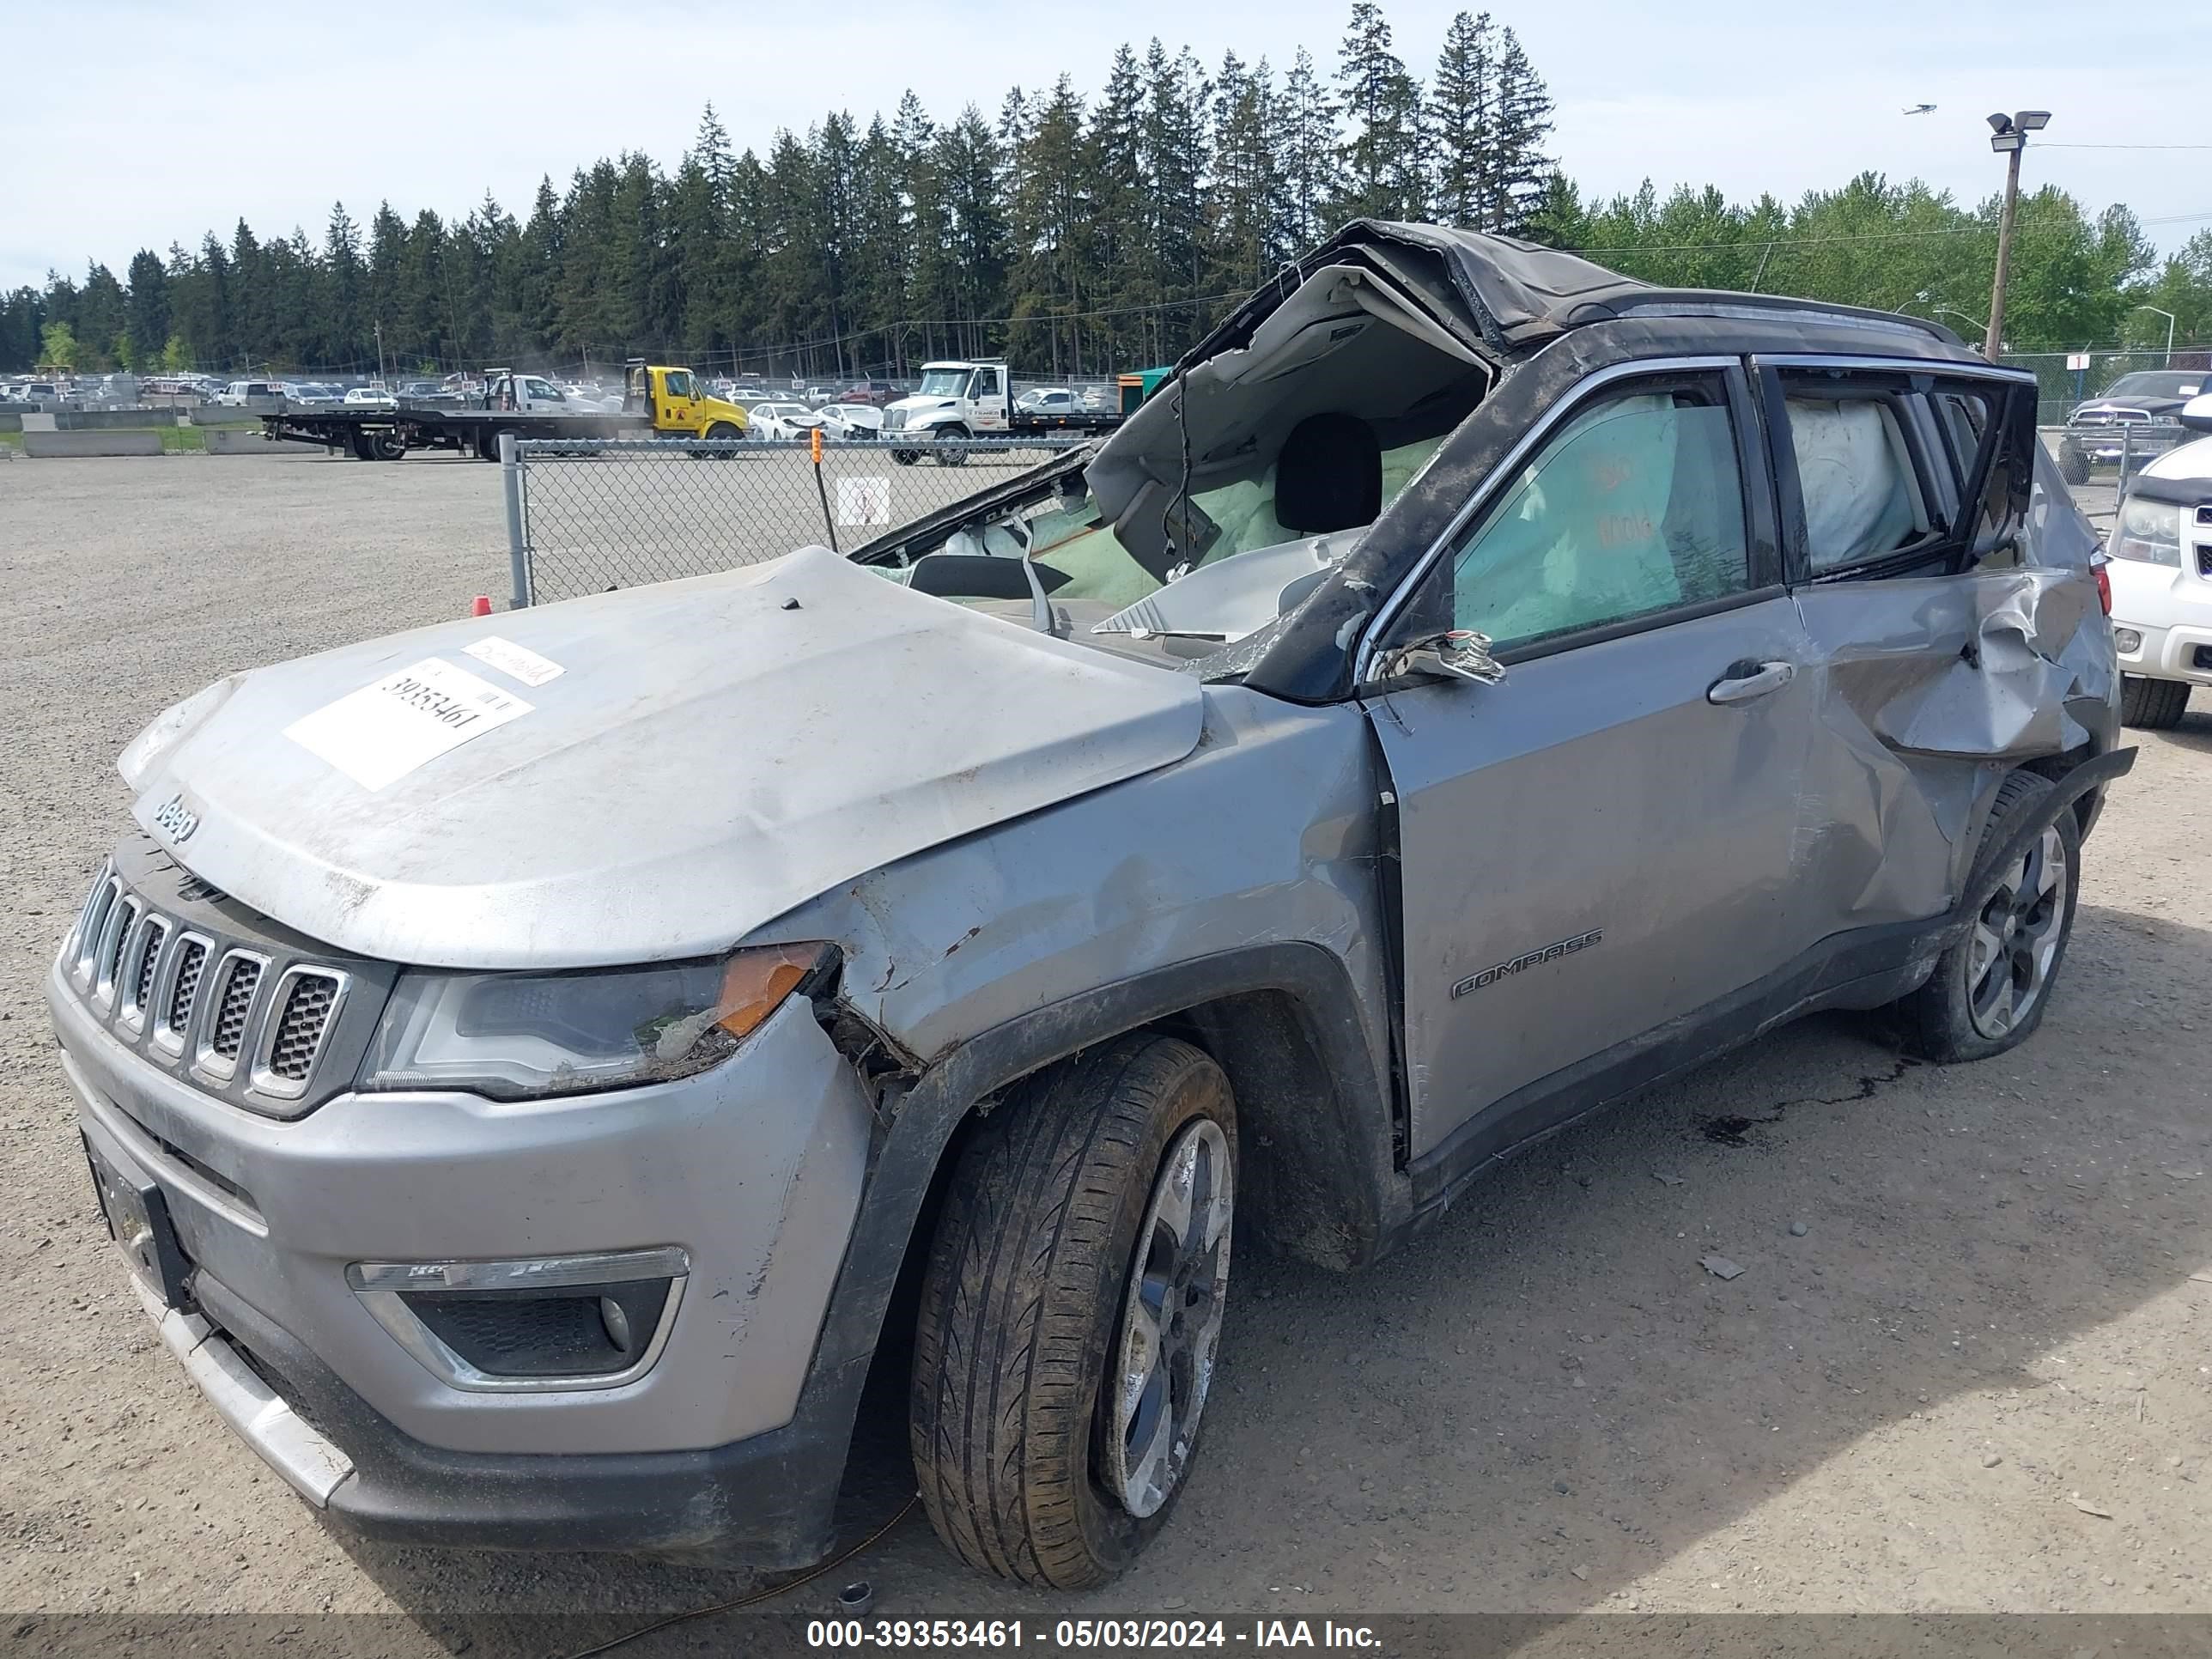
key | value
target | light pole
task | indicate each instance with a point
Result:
(1968, 315)
(2169, 330)
(2009, 138)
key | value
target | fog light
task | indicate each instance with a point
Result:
(536, 1324)
(616, 1321)
(2126, 642)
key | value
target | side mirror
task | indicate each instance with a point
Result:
(1459, 654)
(2196, 413)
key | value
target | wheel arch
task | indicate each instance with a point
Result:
(1279, 1018)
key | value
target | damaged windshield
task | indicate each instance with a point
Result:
(1079, 557)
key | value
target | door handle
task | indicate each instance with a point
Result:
(1747, 680)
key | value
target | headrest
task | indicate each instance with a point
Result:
(1329, 475)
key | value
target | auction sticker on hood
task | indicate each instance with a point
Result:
(519, 662)
(383, 732)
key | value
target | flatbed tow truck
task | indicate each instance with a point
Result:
(658, 401)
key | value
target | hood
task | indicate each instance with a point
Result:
(2189, 463)
(916, 405)
(2112, 405)
(635, 776)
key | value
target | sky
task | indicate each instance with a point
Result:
(167, 120)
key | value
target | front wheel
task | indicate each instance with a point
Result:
(2153, 705)
(1070, 1313)
(1989, 990)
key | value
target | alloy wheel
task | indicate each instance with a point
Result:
(2016, 938)
(1162, 1358)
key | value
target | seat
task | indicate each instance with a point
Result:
(1328, 476)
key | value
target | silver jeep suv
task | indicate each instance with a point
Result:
(519, 1059)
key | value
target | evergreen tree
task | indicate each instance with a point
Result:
(146, 327)
(1313, 163)
(1521, 166)
(1385, 158)
(1462, 117)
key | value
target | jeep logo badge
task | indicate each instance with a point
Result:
(176, 820)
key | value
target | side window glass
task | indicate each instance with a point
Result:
(1635, 506)
(679, 385)
(987, 383)
(1964, 417)
(1863, 499)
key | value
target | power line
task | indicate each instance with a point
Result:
(2044, 146)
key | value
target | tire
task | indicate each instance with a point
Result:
(2073, 465)
(487, 445)
(1974, 1006)
(364, 447)
(1031, 1302)
(906, 457)
(721, 432)
(956, 456)
(390, 446)
(2153, 705)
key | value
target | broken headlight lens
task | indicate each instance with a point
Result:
(2148, 532)
(521, 1035)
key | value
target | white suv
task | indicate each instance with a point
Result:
(2160, 572)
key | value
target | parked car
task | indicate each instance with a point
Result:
(750, 395)
(851, 420)
(312, 392)
(875, 393)
(370, 397)
(2160, 576)
(780, 420)
(1048, 400)
(816, 396)
(2139, 410)
(1494, 686)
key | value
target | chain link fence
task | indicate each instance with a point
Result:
(584, 517)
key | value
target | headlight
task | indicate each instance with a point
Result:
(518, 1036)
(2148, 532)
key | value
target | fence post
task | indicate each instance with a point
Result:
(518, 540)
(829, 520)
(2127, 450)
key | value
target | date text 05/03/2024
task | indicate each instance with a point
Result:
(1085, 1634)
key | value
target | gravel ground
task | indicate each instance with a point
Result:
(1967, 1367)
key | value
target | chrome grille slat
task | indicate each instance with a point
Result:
(122, 916)
(227, 1034)
(179, 990)
(141, 960)
(239, 1012)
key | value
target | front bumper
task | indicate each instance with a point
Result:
(2171, 610)
(2103, 444)
(755, 1169)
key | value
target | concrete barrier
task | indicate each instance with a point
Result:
(47, 444)
(223, 440)
(112, 419)
(11, 420)
(37, 420)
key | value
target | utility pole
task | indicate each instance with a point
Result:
(2009, 138)
(380, 381)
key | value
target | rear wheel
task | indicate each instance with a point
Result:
(487, 444)
(2073, 464)
(1989, 990)
(1071, 1310)
(390, 446)
(2154, 705)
